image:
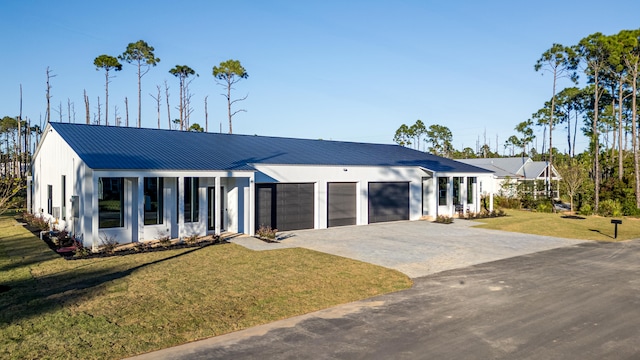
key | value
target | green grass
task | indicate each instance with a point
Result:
(587, 228)
(122, 306)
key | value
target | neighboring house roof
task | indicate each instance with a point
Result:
(125, 148)
(515, 167)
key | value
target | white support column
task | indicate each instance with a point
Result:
(463, 193)
(141, 200)
(218, 211)
(181, 207)
(450, 204)
(252, 206)
(363, 202)
(95, 221)
(320, 205)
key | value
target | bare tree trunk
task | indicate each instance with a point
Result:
(620, 126)
(86, 107)
(229, 108)
(60, 111)
(553, 107)
(68, 110)
(596, 145)
(181, 104)
(49, 76)
(206, 115)
(20, 149)
(106, 97)
(116, 120)
(139, 96)
(188, 110)
(634, 135)
(166, 92)
(613, 131)
(126, 109)
(158, 103)
(99, 112)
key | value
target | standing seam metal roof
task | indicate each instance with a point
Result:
(125, 148)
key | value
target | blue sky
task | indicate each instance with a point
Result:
(341, 70)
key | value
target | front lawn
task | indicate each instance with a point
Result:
(126, 305)
(564, 226)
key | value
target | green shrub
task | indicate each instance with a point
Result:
(507, 202)
(544, 207)
(610, 207)
(586, 209)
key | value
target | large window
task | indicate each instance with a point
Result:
(153, 200)
(457, 187)
(470, 182)
(442, 190)
(191, 199)
(110, 202)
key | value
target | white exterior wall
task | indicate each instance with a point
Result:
(55, 158)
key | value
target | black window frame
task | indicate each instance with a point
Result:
(112, 188)
(154, 191)
(191, 199)
(443, 191)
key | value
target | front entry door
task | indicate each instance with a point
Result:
(211, 208)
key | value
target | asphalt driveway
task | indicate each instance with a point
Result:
(415, 248)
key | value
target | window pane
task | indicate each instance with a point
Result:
(187, 199)
(195, 199)
(456, 190)
(442, 190)
(153, 201)
(110, 202)
(191, 199)
(470, 182)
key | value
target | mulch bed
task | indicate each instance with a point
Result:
(67, 249)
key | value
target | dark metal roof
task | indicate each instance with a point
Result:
(125, 148)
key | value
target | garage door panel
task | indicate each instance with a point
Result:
(388, 201)
(285, 206)
(341, 204)
(295, 206)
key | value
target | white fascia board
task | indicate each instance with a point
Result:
(172, 173)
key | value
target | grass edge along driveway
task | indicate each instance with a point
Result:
(563, 225)
(122, 306)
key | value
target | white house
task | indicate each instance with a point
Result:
(519, 172)
(138, 184)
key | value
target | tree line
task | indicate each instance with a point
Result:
(604, 110)
(19, 138)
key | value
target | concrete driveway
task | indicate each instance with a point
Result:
(415, 248)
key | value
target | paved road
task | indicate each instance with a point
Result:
(576, 302)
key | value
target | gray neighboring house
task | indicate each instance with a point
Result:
(514, 172)
(137, 184)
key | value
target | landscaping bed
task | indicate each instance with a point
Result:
(66, 246)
